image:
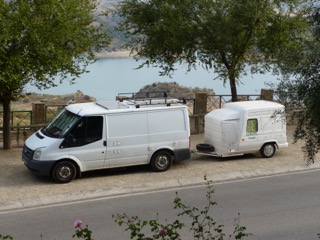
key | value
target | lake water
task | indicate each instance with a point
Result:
(110, 76)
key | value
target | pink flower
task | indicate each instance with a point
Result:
(77, 224)
(162, 232)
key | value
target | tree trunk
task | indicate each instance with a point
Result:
(6, 124)
(233, 88)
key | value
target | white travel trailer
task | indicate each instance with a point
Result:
(244, 127)
(89, 136)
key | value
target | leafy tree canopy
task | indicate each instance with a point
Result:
(40, 39)
(300, 89)
(223, 35)
(43, 38)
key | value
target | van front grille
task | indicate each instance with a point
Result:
(27, 153)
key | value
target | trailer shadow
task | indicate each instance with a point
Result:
(207, 158)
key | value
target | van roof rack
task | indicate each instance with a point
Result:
(147, 98)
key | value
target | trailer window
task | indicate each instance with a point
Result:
(252, 125)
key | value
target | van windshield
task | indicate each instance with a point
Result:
(61, 124)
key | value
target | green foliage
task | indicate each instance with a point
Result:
(136, 226)
(203, 226)
(299, 89)
(6, 237)
(41, 40)
(224, 35)
(82, 232)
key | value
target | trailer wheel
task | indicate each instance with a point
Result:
(161, 161)
(268, 150)
(64, 172)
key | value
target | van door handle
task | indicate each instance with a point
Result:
(105, 143)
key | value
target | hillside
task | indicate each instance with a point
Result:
(118, 38)
(25, 102)
(173, 90)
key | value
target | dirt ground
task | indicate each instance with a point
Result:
(20, 188)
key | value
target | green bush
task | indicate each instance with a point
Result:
(203, 226)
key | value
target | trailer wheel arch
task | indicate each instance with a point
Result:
(66, 161)
(268, 149)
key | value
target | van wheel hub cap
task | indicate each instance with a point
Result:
(65, 172)
(162, 161)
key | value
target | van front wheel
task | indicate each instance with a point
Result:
(64, 172)
(161, 161)
(268, 150)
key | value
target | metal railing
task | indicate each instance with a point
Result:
(217, 101)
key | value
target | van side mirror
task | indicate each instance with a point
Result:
(69, 141)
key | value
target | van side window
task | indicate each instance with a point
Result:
(88, 130)
(252, 125)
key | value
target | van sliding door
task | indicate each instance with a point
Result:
(127, 139)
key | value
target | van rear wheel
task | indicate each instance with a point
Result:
(268, 150)
(161, 161)
(64, 172)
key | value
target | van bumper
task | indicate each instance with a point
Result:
(182, 154)
(41, 168)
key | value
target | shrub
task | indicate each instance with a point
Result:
(203, 226)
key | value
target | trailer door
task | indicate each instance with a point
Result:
(249, 140)
(230, 136)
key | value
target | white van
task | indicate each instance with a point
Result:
(244, 127)
(89, 136)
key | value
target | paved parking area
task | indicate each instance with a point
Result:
(19, 188)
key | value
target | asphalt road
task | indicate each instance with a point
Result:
(278, 207)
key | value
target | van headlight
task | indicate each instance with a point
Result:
(37, 154)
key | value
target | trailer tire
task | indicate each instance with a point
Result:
(161, 161)
(268, 150)
(203, 147)
(64, 172)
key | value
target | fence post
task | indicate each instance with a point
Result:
(38, 113)
(201, 101)
(267, 94)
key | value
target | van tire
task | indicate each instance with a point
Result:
(64, 172)
(268, 150)
(161, 161)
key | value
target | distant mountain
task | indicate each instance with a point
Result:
(118, 38)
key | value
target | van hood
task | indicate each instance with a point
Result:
(39, 140)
